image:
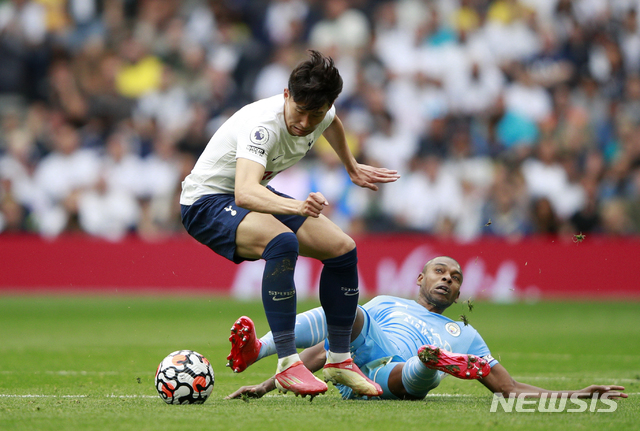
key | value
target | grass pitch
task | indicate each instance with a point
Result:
(88, 363)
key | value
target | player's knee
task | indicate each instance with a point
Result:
(285, 244)
(341, 245)
(347, 259)
(348, 244)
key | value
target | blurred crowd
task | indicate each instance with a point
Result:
(507, 118)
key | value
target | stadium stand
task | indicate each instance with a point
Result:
(506, 118)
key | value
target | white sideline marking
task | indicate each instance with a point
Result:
(132, 396)
(469, 395)
(450, 395)
(74, 396)
(82, 373)
(70, 373)
(40, 396)
(614, 380)
(428, 395)
(156, 396)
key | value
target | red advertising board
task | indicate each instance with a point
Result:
(598, 267)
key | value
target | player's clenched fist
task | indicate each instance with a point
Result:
(313, 205)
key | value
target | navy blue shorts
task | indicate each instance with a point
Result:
(214, 219)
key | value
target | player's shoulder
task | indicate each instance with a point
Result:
(256, 123)
(467, 328)
(387, 301)
(263, 110)
(387, 298)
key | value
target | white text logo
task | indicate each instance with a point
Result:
(552, 403)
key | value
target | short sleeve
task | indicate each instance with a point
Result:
(255, 142)
(479, 348)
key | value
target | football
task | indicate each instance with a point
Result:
(184, 377)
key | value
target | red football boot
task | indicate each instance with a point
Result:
(299, 380)
(245, 346)
(462, 366)
(347, 373)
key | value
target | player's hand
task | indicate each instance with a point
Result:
(313, 205)
(367, 176)
(610, 391)
(254, 391)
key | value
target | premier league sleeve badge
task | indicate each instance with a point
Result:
(259, 135)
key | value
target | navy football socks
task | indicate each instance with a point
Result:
(279, 291)
(339, 298)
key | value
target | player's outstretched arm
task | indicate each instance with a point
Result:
(254, 391)
(361, 175)
(252, 195)
(367, 176)
(499, 381)
(313, 358)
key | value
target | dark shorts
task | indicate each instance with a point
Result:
(214, 219)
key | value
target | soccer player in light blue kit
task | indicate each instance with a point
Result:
(406, 346)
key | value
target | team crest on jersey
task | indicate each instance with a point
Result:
(452, 328)
(259, 135)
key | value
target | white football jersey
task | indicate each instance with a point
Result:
(256, 132)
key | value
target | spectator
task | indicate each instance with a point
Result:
(546, 177)
(505, 212)
(62, 175)
(23, 50)
(629, 41)
(389, 146)
(18, 192)
(342, 27)
(587, 219)
(615, 220)
(285, 20)
(544, 218)
(274, 76)
(462, 79)
(141, 71)
(630, 105)
(568, 122)
(441, 192)
(588, 97)
(474, 173)
(527, 98)
(161, 172)
(167, 106)
(121, 165)
(107, 212)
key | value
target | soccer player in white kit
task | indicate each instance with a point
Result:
(227, 205)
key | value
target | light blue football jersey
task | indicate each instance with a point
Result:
(407, 326)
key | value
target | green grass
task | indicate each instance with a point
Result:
(88, 363)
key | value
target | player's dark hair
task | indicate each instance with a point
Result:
(315, 82)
